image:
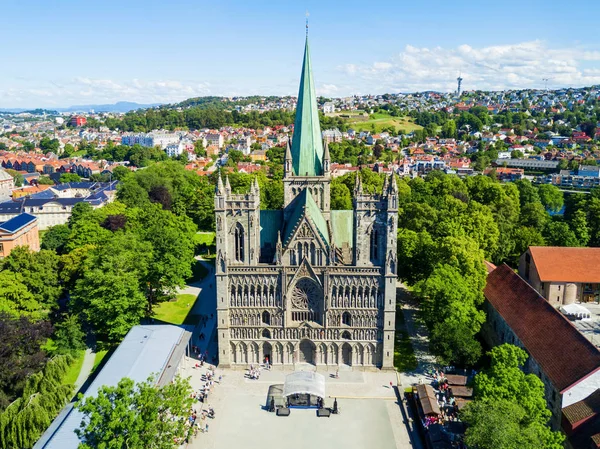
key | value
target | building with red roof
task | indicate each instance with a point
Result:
(563, 275)
(567, 363)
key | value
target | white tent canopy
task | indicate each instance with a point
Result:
(304, 382)
(576, 311)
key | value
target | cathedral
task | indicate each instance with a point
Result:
(306, 284)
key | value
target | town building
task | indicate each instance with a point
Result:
(146, 350)
(21, 230)
(7, 184)
(54, 205)
(215, 139)
(563, 275)
(77, 120)
(306, 284)
(566, 362)
(328, 108)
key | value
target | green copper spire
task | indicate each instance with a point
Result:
(307, 145)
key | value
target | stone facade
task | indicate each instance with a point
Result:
(306, 284)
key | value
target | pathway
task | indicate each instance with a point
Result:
(86, 368)
(419, 339)
(205, 305)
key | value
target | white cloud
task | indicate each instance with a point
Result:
(90, 90)
(328, 90)
(521, 65)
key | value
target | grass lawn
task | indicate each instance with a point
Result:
(98, 359)
(175, 312)
(206, 238)
(404, 355)
(73, 371)
(381, 120)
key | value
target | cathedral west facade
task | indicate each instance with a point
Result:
(306, 284)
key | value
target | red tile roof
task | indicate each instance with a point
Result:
(566, 264)
(562, 352)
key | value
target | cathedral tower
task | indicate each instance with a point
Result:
(306, 284)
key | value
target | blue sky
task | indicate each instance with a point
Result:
(63, 52)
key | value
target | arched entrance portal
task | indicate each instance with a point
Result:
(267, 352)
(347, 354)
(307, 352)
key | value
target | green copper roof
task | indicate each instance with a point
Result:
(307, 145)
(304, 206)
(270, 223)
(342, 224)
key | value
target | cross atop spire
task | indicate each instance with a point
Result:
(307, 23)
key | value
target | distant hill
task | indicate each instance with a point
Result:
(120, 106)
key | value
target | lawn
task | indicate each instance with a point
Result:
(99, 358)
(381, 120)
(74, 369)
(206, 238)
(204, 243)
(175, 312)
(404, 355)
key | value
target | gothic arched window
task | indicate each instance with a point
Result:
(239, 243)
(347, 319)
(266, 317)
(266, 333)
(374, 246)
(346, 335)
(313, 254)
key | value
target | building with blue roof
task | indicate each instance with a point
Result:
(20, 230)
(146, 350)
(53, 206)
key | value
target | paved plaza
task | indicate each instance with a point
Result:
(370, 415)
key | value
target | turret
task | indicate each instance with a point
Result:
(326, 160)
(227, 186)
(278, 249)
(358, 190)
(220, 187)
(287, 161)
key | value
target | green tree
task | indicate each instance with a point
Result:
(111, 301)
(340, 196)
(68, 335)
(534, 215)
(17, 177)
(69, 177)
(68, 151)
(558, 233)
(56, 237)
(21, 339)
(502, 424)
(579, 226)
(44, 395)
(551, 196)
(505, 379)
(15, 298)
(199, 149)
(120, 172)
(172, 240)
(449, 306)
(136, 415)
(47, 144)
(40, 273)
(45, 180)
